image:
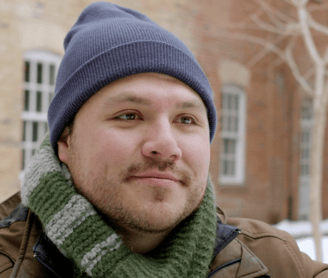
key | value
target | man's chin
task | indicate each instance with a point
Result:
(154, 225)
(163, 223)
(154, 218)
(146, 224)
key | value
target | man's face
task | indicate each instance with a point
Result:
(140, 152)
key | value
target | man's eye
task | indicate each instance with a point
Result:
(187, 120)
(128, 116)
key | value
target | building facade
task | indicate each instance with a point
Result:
(260, 154)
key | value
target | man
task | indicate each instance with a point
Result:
(120, 187)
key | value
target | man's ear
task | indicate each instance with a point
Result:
(63, 146)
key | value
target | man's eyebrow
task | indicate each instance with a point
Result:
(195, 103)
(127, 97)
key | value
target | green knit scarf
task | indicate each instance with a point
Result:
(79, 232)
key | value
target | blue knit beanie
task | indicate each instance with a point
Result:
(109, 42)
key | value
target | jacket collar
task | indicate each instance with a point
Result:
(224, 235)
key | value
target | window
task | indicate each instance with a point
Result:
(306, 122)
(39, 87)
(232, 135)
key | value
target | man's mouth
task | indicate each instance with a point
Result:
(157, 178)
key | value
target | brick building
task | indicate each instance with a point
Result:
(264, 119)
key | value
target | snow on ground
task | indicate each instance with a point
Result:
(301, 228)
(301, 231)
(306, 245)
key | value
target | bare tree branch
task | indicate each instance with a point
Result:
(265, 26)
(256, 40)
(317, 26)
(264, 51)
(295, 71)
(283, 28)
(274, 11)
(276, 21)
(240, 26)
(308, 39)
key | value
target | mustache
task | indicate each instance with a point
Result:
(162, 165)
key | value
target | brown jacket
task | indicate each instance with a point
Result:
(258, 251)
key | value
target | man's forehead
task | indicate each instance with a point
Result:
(118, 93)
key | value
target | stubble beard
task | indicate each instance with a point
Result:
(104, 194)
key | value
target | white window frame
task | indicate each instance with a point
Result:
(306, 125)
(238, 178)
(44, 89)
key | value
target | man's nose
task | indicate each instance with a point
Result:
(161, 142)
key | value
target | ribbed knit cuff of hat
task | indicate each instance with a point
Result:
(79, 232)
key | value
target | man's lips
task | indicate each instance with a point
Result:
(156, 175)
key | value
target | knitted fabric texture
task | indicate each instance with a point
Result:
(79, 232)
(109, 42)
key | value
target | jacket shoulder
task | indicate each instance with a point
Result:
(12, 211)
(7, 206)
(277, 249)
(12, 225)
(19, 233)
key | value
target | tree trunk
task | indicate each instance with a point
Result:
(317, 149)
